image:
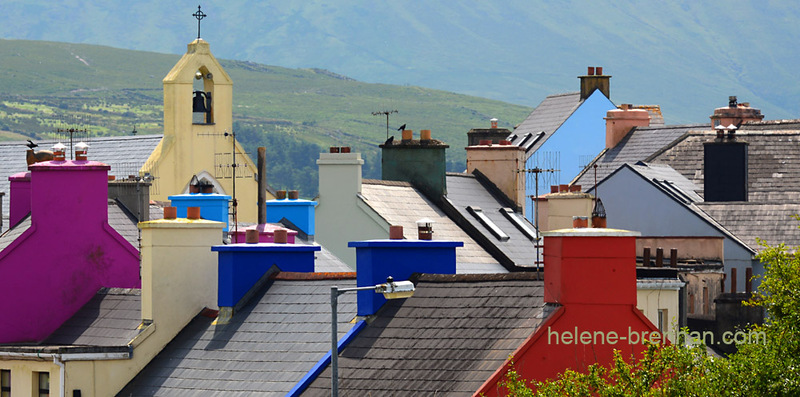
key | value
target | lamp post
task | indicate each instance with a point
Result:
(390, 290)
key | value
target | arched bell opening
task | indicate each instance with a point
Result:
(202, 97)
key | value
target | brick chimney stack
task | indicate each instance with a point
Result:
(595, 80)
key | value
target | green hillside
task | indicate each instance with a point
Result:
(687, 56)
(46, 85)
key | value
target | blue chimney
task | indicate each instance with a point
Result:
(378, 259)
(299, 212)
(241, 266)
(213, 206)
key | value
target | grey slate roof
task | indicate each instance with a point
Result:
(447, 339)
(124, 223)
(10, 235)
(749, 221)
(638, 145)
(125, 155)
(464, 190)
(773, 159)
(110, 318)
(264, 351)
(547, 117)
(399, 203)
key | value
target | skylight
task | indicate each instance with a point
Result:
(477, 212)
(519, 223)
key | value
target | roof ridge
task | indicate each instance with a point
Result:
(298, 276)
(475, 277)
(385, 183)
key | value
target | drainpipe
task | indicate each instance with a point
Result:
(61, 375)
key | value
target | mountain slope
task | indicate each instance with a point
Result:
(687, 56)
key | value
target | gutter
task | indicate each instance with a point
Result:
(325, 361)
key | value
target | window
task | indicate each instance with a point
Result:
(5, 383)
(518, 222)
(44, 383)
(477, 212)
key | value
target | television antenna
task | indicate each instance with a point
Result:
(386, 113)
(72, 125)
(535, 197)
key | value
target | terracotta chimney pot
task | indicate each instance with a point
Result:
(408, 135)
(280, 236)
(193, 212)
(170, 212)
(425, 135)
(396, 232)
(251, 236)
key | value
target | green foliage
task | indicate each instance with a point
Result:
(769, 367)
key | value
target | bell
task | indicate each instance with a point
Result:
(198, 102)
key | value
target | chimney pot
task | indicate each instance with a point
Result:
(344, 149)
(334, 149)
(408, 135)
(485, 142)
(280, 236)
(599, 222)
(251, 236)
(598, 70)
(170, 212)
(396, 232)
(575, 188)
(659, 257)
(494, 122)
(673, 257)
(646, 257)
(425, 229)
(748, 282)
(590, 71)
(193, 212)
(563, 188)
(281, 194)
(294, 194)
(733, 280)
(425, 135)
(58, 152)
(553, 188)
(580, 222)
(505, 142)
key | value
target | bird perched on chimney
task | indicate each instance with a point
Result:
(402, 127)
(31, 145)
(389, 141)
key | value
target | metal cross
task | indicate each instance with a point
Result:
(199, 15)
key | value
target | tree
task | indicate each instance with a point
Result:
(768, 366)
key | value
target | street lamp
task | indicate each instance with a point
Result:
(390, 290)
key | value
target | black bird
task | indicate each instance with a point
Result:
(389, 141)
(31, 145)
(402, 127)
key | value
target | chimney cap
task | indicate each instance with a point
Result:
(425, 222)
(591, 232)
(59, 147)
(81, 146)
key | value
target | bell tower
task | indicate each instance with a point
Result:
(198, 133)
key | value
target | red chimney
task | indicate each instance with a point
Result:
(590, 266)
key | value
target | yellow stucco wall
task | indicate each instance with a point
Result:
(650, 301)
(189, 149)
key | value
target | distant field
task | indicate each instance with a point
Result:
(48, 86)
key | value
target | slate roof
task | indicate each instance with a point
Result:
(125, 155)
(773, 159)
(638, 145)
(10, 235)
(547, 117)
(465, 191)
(749, 221)
(447, 339)
(399, 203)
(680, 189)
(264, 351)
(123, 222)
(110, 318)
